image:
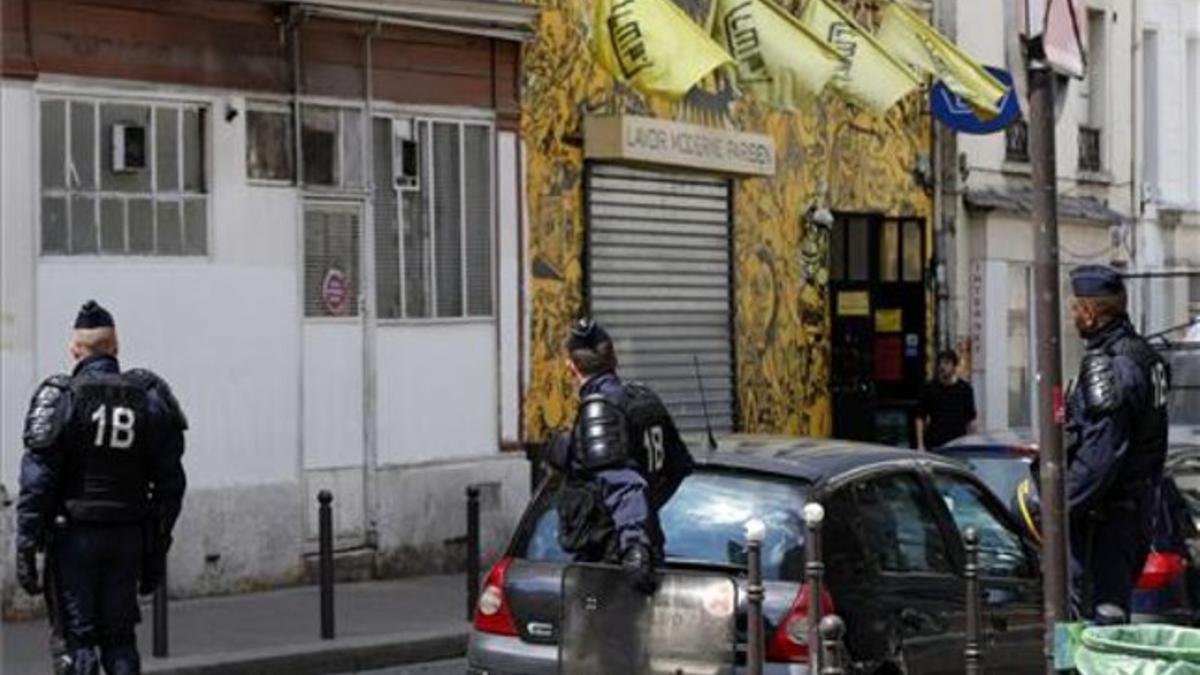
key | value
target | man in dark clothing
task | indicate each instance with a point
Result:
(1116, 445)
(621, 462)
(947, 406)
(102, 484)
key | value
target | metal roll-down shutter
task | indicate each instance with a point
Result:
(659, 281)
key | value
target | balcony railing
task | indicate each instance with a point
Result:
(1089, 149)
(1016, 142)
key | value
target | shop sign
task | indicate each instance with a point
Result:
(664, 142)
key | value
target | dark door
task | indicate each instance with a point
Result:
(911, 605)
(1011, 611)
(879, 324)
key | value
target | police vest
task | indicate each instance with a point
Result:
(655, 444)
(109, 449)
(1148, 418)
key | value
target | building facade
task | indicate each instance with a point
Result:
(305, 216)
(1168, 71)
(989, 230)
(714, 273)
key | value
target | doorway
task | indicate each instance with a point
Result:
(878, 321)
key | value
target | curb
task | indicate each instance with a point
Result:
(343, 655)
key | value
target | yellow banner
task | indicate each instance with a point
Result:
(778, 59)
(654, 46)
(910, 38)
(872, 77)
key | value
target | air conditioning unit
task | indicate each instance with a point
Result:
(128, 148)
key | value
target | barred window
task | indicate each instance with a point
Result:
(433, 218)
(123, 178)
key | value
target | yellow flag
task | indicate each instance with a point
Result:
(654, 46)
(778, 59)
(913, 40)
(872, 77)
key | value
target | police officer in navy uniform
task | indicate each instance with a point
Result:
(622, 461)
(1117, 445)
(102, 484)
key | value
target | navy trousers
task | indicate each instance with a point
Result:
(97, 568)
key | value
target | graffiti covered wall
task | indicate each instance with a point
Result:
(829, 155)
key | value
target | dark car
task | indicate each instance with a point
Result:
(1001, 460)
(893, 553)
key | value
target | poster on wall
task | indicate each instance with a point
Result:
(335, 292)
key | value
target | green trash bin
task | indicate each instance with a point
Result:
(1139, 649)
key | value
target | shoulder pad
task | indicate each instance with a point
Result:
(49, 412)
(1099, 382)
(602, 437)
(151, 382)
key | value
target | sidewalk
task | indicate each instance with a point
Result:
(378, 624)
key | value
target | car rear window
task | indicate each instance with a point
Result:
(705, 522)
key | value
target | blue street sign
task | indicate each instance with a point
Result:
(958, 115)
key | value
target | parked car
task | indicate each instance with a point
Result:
(1001, 460)
(892, 548)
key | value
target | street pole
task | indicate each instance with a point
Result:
(1049, 340)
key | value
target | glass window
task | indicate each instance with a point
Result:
(447, 185)
(705, 521)
(837, 251)
(914, 254)
(269, 143)
(1020, 386)
(859, 249)
(321, 146)
(1001, 553)
(122, 178)
(331, 250)
(889, 251)
(477, 186)
(899, 528)
(434, 221)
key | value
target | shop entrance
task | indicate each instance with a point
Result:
(879, 326)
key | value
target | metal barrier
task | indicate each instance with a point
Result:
(473, 562)
(325, 536)
(972, 652)
(755, 533)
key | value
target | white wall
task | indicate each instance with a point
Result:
(437, 392)
(508, 162)
(18, 237)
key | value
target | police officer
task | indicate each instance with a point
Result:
(622, 461)
(103, 461)
(1117, 445)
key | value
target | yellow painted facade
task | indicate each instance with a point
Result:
(829, 155)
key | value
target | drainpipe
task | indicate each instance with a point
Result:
(1136, 206)
(296, 16)
(370, 323)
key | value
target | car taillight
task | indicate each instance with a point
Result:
(790, 640)
(492, 613)
(1159, 570)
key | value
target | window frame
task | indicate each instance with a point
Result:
(396, 116)
(152, 102)
(853, 479)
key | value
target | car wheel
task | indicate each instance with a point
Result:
(890, 669)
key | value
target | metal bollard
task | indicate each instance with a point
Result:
(472, 550)
(756, 531)
(161, 635)
(325, 535)
(814, 573)
(833, 631)
(972, 652)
